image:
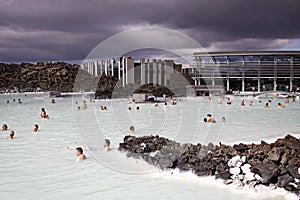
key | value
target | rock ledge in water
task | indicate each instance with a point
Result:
(276, 164)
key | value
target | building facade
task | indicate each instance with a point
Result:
(129, 71)
(247, 71)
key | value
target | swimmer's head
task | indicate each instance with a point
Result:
(35, 128)
(12, 134)
(131, 128)
(129, 108)
(4, 127)
(137, 108)
(208, 115)
(106, 143)
(205, 119)
(223, 119)
(79, 151)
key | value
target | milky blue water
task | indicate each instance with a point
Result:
(38, 166)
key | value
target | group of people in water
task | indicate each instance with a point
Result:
(210, 119)
(79, 149)
(251, 102)
(14, 100)
(12, 132)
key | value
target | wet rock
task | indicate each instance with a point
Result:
(285, 157)
(267, 170)
(284, 180)
(289, 142)
(224, 174)
(275, 154)
(293, 168)
(241, 147)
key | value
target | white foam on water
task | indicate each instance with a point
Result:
(259, 192)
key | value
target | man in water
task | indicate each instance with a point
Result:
(84, 105)
(131, 129)
(286, 100)
(79, 154)
(267, 105)
(106, 145)
(279, 105)
(219, 100)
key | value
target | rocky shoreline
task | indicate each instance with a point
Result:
(43, 76)
(276, 164)
(65, 77)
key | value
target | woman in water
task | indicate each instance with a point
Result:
(4, 127)
(44, 114)
(11, 135)
(35, 128)
(251, 103)
(243, 103)
(228, 101)
(223, 119)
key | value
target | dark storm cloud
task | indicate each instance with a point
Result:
(69, 29)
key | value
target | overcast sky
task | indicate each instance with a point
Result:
(36, 30)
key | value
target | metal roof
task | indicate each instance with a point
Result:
(247, 53)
